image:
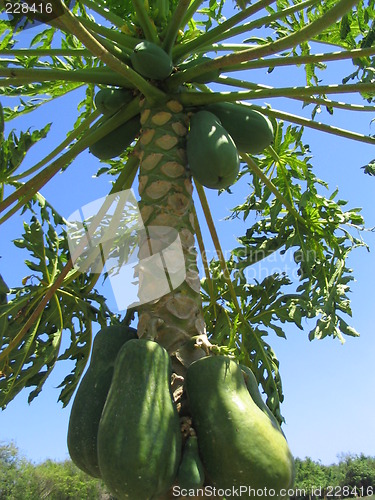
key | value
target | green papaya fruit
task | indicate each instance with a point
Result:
(211, 153)
(151, 61)
(190, 472)
(210, 76)
(115, 143)
(253, 389)
(238, 442)
(91, 395)
(139, 437)
(109, 100)
(251, 131)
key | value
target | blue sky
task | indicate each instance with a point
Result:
(328, 387)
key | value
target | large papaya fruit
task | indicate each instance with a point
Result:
(151, 61)
(109, 100)
(139, 438)
(238, 442)
(91, 395)
(251, 131)
(211, 153)
(115, 143)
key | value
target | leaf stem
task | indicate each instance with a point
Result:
(314, 100)
(302, 35)
(194, 6)
(114, 36)
(304, 59)
(266, 20)
(174, 25)
(216, 242)
(198, 98)
(69, 139)
(213, 34)
(24, 193)
(107, 14)
(95, 75)
(304, 122)
(145, 22)
(45, 52)
(267, 182)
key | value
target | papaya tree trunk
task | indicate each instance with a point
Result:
(166, 205)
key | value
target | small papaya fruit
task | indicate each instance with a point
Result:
(109, 100)
(115, 143)
(151, 61)
(210, 76)
(190, 472)
(211, 153)
(91, 395)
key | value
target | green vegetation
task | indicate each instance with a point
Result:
(23, 480)
(353, 475)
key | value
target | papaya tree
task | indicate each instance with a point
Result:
(172, 103)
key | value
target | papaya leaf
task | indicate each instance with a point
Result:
(27, 360)
(369, 169)
(14, 149)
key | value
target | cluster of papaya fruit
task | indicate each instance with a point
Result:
(124, 426)
(227, 128)
(218, 133)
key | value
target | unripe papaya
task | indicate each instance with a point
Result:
(139, 437)
(190, 472)
(151, 61)
(210, 76)
(211, 153)
(115, 143)
(251, 131)
(238, 443)
(108, 101)
(91, 396)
